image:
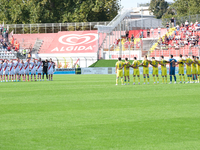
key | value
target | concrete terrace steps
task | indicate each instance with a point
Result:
(37, 46)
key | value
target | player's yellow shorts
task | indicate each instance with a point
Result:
(145, 70)
(155, 71)
(194, 71)
(164, 72)
(136, 72)
(181, 70)
(188, 70)
(120, 73)
(126, 73)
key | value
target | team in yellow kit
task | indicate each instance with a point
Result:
(198, 68)
(188, 63)
(163, 69)
(118, 67)
(136, 71)
(181, 69)
(154, 63)
(127, 64)
(192, 69)
(145, 65)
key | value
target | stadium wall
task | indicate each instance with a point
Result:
(106, 70)
(111, 70)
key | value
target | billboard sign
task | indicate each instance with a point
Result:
(74, 42)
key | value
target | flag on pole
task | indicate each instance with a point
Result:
(11, 33)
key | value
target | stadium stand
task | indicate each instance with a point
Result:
(39, 43)
(9, 48)
(134, 39)
(178, 40)
(4, 54)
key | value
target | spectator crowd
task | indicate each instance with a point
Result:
(6, 43)
(180, 36)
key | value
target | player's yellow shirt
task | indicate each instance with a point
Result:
(193, 65)
(136, 63)
(155, 64)
(145, 63)
(163, 64)
(181, 63)
(119, 64)
(188, 60)
(126, 65)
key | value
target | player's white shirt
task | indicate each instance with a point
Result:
(26, 65)
(39, 66)
(21, 68)
(16, 65)
(5, 68)
(33, 65)
(16, 69)
(1, 69)
(50, 67)
(11, 68)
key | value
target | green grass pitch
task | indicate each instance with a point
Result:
(89, 112)
(107, 63)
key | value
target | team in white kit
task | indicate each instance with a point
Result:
(10, 71)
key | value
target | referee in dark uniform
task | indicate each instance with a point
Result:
(45, 69)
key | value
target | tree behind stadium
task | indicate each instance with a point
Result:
(158, 7)
(186, 7)
(53, 11)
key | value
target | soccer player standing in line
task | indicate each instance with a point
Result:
(136, 71)
(145, 65)
(21, 71)
(118, 67)
(39, 69)
(126, 70)
(1, 70)
(17, 70)
(172, 69)
(5, 70)
(163, 69)
(154, 63)
(194, 69)
(33, 69)
(50, 70)
(26, 70)
(11, 70)
(188, 63)
(198, 68)
(181, 69)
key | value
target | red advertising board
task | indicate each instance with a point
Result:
(74, 42)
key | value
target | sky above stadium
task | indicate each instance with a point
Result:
(133, 3)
